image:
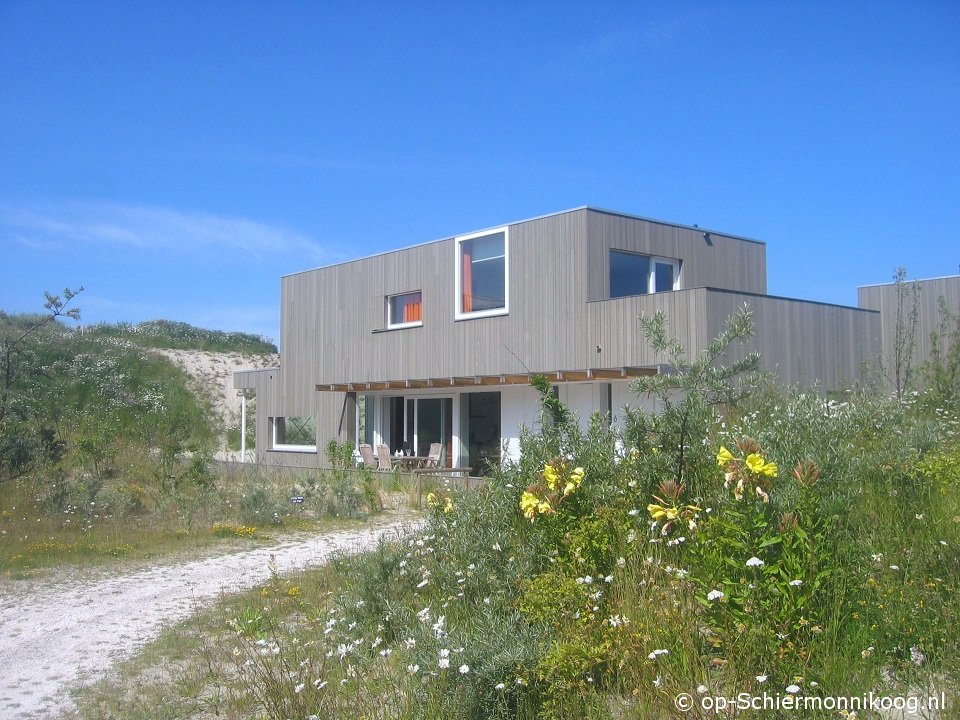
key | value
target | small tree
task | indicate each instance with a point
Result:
(905, 330)
(688, 390)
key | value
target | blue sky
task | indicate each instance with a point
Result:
(177, 158)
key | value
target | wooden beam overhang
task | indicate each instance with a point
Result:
(554, 376)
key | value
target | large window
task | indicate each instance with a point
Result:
(635, 274)
(404, 310)
(294, 434)
(482, 267)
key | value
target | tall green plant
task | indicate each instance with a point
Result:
(905, 330)
(688, 390)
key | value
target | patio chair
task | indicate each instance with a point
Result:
(433, 458)
(369, 461)
(383, 455)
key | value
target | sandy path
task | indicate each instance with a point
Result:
(56, 635)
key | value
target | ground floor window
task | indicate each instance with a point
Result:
(294, 434)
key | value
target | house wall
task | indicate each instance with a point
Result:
(726, 262)
(884, 299)
(264, 385)
(801, 341)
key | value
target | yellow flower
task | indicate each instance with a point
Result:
(448, 506)
(755, 462)
(724, 456)
(432, 500)
(551, 476)
(769, 469)
(577, 473)
(528, 504)
(658, 512)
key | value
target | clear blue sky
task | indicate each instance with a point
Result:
(177, 158)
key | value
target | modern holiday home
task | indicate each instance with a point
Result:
(436, 343)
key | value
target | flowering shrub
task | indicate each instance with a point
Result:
(557, 481)
(442, 502)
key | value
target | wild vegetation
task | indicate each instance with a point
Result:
(744, 539)
(171, 335)
(105, 451)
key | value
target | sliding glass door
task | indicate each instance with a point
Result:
(413, 424)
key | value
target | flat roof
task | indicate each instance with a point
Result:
(591, 208)
(911, 280)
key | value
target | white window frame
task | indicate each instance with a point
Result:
(396, 326)
(274, 445)
(458, 272)
(652, 280)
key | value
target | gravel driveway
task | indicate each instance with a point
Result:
(59, 634)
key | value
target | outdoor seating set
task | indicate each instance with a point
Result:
(383, 461)
(428, 464)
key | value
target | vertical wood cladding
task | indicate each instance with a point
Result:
(884, 299)
(334, 318)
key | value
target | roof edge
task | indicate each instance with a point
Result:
(911, 280)
(590, 208)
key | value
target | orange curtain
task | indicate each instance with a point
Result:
(466, 281)
(413, 311)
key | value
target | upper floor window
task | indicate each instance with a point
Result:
(404, 310)
(482, 267)
(635, 274)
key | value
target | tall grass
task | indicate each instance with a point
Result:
(145, 514)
